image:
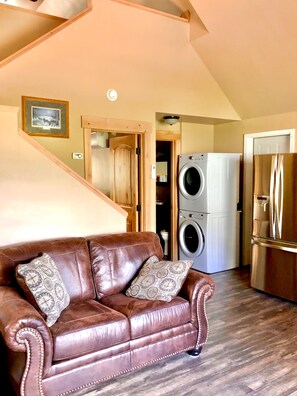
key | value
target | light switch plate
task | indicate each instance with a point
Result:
(154, 173)
(77, 156)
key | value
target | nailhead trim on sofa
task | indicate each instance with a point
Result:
(25, 341)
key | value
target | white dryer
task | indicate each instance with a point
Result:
(210, 240)
(209, 182)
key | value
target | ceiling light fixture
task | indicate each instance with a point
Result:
(171, 119)
(112, 95)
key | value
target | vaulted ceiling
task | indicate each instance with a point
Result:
(61, 8)
(24, 21)
(251, 51)
(249, 46)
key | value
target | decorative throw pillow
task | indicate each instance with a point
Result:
(159, 280)
(43, 280)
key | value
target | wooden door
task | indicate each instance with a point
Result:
(124, 189)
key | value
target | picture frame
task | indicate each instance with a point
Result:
(45, 117)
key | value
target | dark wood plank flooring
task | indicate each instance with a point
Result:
(252, 350)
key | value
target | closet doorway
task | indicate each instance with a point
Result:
(167, 152)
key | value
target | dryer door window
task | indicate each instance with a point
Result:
(191, 238)
(191, 181)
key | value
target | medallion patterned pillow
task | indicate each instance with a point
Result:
(159, 280)
(43, 280)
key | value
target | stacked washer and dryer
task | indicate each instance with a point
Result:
(209, 220)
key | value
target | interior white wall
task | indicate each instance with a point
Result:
(39, 200)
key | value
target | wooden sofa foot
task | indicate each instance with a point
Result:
(195, 352)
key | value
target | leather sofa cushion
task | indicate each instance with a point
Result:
(116, 259)
(71, 256)
(87, 327)
(148, 317)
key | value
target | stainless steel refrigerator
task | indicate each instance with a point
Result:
(274, 234)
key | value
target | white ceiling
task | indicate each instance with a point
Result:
(249, 46)
(251, 51)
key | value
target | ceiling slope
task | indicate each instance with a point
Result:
(250, 49)
(20, 28)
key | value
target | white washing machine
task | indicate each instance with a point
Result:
(209, 182)
(210, 240)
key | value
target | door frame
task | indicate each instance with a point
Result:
(248, 184)
(144, 131)
(175, 138)
(131, 141)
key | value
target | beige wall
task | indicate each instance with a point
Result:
(39, 200)
(197, 138)
(149, 60)
(229, 137)
(147, 57)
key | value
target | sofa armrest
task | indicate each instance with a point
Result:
(24, 330)
(197, 289)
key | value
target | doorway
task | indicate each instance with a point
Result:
(277, 141)
(167, 152)
(143, 132)
(163, 195)
(115, 171)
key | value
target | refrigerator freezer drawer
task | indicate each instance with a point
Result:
(274, 270)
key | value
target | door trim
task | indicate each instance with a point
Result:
(248, 185)
(175, 138)
(144, 130)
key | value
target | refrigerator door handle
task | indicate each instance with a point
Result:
(272, 208)
(279, 196)
(286, 248)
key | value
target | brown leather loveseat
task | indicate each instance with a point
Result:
(102, 333)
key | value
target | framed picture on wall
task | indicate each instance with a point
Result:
(45, 117)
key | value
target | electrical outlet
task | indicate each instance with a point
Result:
(77, 156)
(153, 172)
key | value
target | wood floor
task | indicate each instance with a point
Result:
(252, 350)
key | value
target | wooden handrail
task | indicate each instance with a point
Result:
(70, 172)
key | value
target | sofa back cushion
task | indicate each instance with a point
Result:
(70, 255)
(117, 258)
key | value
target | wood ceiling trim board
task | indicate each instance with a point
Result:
(33, 12)
(64, 23)
(184, 18)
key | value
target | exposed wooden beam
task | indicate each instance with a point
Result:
(184, 18)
